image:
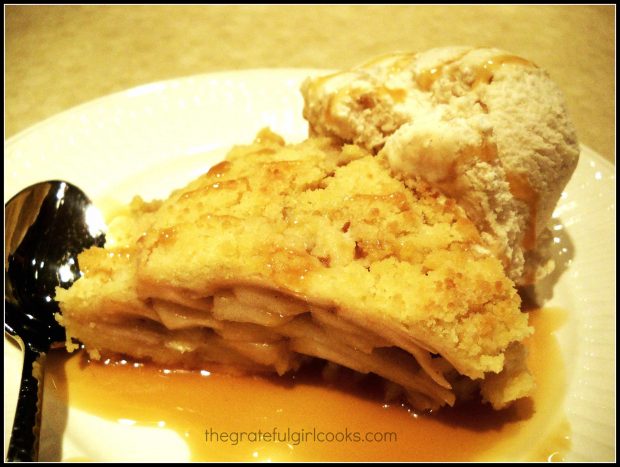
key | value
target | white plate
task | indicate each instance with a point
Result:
(153, 138)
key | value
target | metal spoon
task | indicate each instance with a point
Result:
(46, 226)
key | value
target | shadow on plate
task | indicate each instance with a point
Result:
(562, 253)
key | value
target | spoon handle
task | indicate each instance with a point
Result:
(24, 444)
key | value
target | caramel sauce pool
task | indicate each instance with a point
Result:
(312, 418)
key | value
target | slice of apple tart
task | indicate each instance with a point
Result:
(283, 253)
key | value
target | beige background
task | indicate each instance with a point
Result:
(61, 56)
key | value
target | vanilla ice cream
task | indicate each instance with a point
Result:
(485, 127)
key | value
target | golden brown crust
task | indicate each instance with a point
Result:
(330, 227)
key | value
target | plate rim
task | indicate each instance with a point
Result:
(126, 93)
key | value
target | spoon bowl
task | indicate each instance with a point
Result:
(46, 226)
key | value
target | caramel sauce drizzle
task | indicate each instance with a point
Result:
(398, 95)
(484, 72)
(522, 190)
(400, 64)
(487, 151)
(219, 169)
(191, 402)
(426, 78)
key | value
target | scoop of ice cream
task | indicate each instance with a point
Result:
(488, 128)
